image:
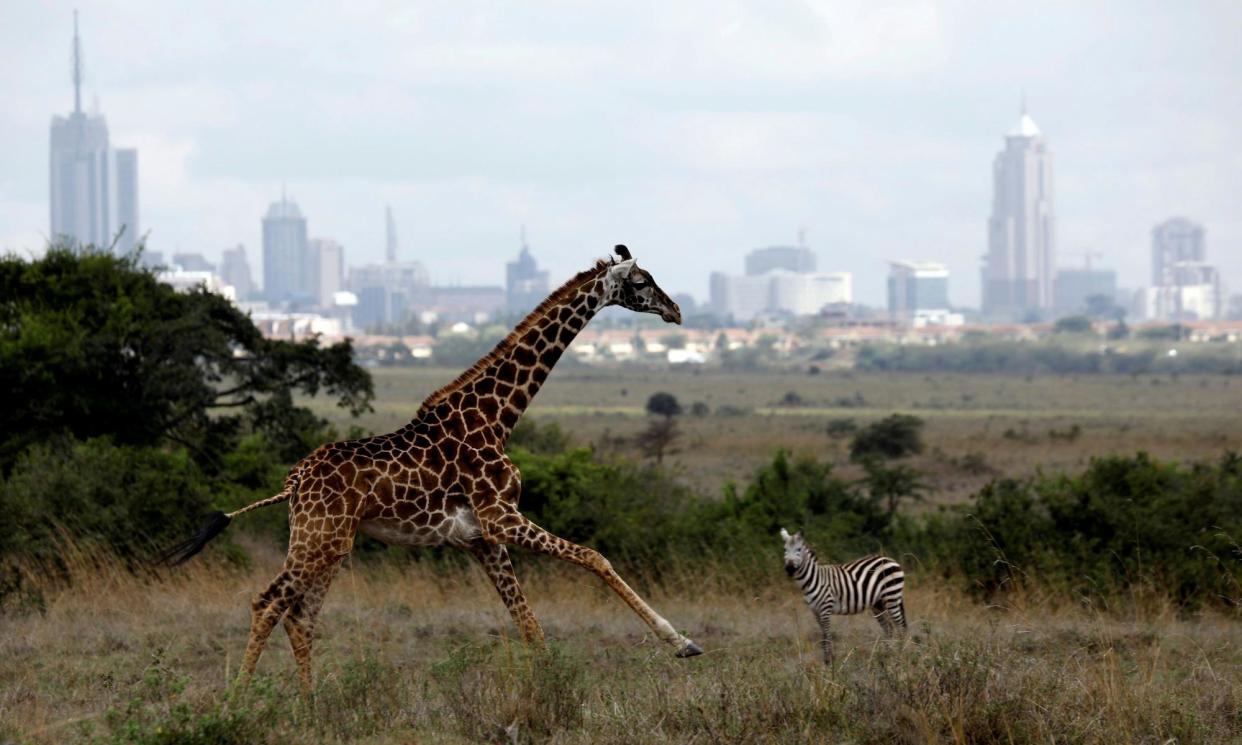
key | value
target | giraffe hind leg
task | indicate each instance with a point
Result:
(265, 610)
(300, 620)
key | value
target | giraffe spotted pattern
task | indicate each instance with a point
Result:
(444, 479)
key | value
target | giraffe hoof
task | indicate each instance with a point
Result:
(689, 650)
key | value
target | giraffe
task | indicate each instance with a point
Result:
(444, 478)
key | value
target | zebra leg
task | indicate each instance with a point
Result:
(826, 639)
(897, 613)
(883, 618)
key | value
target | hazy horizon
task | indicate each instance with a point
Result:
(694, 132)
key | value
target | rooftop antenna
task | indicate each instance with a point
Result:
(802, 236)
(391, 235)
(1023, 104)
(523, 234)
(77, 66)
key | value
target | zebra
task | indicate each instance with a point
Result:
(871, 583)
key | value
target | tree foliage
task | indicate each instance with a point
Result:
(93, 345)
(663, 404)
(894, 436)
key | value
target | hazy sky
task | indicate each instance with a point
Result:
(693, 131)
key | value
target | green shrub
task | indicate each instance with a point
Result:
(893, 436)
(126, 498)
(1125, 522)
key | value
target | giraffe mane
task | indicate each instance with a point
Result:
(505, 345)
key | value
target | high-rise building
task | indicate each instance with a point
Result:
(790, 258)
(286, 263)
(1018, 269)
(327, 261)
(387, 292)
(93, 190)
(235, 271)
(1185, 286)
(916, 287)
(192, 262)
(1075, 289)
(525, 285)
(1174, 241)
(127, 198)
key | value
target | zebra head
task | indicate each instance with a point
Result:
(796, 551)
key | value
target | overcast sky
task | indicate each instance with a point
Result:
(693, 131)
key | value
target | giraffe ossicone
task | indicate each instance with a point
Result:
(444, 479)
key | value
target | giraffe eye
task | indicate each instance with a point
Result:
(638, 284)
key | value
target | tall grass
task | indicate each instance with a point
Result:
(411, 653)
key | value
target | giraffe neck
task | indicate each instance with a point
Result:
(500, 386)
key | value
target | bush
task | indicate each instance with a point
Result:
(1072, 325)
(548, 439)
(664, 404)
(894, 436)
(121, 497)
(1125, 522)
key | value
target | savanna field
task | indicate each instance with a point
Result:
(1023, 645)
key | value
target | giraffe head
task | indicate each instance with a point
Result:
(796, 551)
(631, 287)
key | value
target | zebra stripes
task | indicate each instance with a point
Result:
(871, 583)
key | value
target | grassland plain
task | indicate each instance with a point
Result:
(977, 426)
(424, 652)
(412, 653)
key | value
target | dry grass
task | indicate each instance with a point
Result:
(1006, 424)
(413, 653)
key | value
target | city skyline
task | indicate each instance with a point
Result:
(689, 136)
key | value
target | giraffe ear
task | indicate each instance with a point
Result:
(621, 269)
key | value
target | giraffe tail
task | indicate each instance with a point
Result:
(215, 525)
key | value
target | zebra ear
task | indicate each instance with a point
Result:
(784, 534)
(798, 535)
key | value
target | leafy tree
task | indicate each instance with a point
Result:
(94, 345)
(664, 404)
(894, 436)
(1072, 325)
(657, 439)
(548, 439)
(889, 485)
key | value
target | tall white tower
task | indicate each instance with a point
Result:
(93, 189)
(1020, 264)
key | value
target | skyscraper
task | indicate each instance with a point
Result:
(790, 258)
(235, 271)
(93, 190)
(525, 285)
(1184, 285)
(1174, 241)
(387, 292)
(1018, 269)
(327, 261)
(286, 261)
(915, 287)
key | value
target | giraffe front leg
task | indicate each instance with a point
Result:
(510, 526)
(495, 561)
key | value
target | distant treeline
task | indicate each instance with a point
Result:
(1124, 524)
(130, 410)
(1053, 356)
